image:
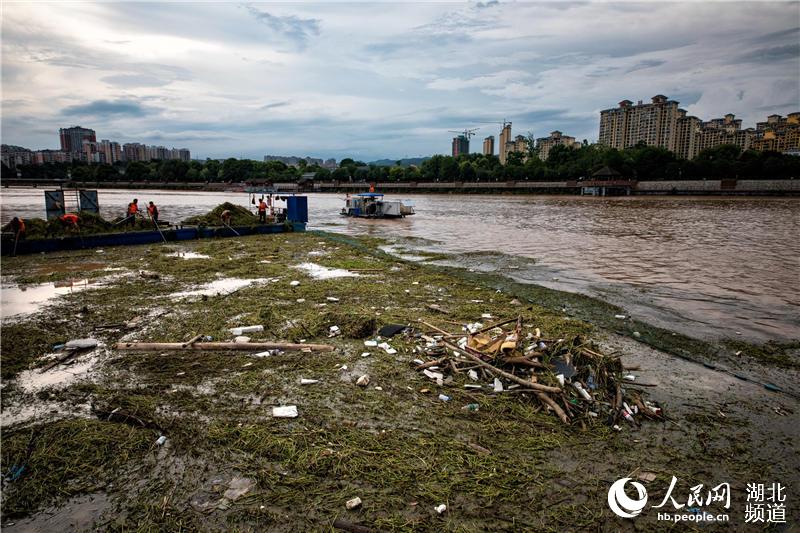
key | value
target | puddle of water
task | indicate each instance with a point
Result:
(16, 414)
(219, 287)
(189, 255)
(77, 514)
(397, 251)
(320, 272)
(18, 300)
(34, 380)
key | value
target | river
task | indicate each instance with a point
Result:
(710, 267)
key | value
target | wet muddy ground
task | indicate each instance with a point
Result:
(80, 439)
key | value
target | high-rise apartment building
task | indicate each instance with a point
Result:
(488, 145)
(460, 145)
(505, 142)
(111, 151)
(627, 125)
(778, 134)
(556, 138)
(134, 152)
(72, 138)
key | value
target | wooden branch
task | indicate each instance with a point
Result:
(547, 400)
(495, 325)
(192, 340)
(429, 364)
(440, 330)
(209, 346)
(495, 370)
(523, 361)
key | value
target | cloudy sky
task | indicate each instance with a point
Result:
(373, 80)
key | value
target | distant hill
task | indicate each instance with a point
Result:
(416, 161)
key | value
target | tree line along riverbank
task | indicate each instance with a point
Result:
(639, 163)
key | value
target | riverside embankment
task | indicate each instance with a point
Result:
(84, 434)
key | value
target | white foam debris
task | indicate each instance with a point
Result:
(189, 255)
(320, 272)
(220, 286)
(287, 411)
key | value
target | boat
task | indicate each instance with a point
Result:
(102, 240)
(293, 218)
(372, 205)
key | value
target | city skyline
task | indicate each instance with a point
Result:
(233, 80)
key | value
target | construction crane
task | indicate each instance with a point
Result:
(504, 122)
(461, 143)
(467, 133)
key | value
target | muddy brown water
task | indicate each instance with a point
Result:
(710, 267)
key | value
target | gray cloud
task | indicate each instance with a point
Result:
(275, 105)
(648, 63)
(104, 108)
(774, 54)
(294, 28)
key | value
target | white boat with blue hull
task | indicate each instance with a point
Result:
(372, 205)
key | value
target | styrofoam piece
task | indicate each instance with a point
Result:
(81, 344)
(246, 329)
(498, 385)
(285, 411)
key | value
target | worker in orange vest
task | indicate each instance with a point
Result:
(152, 210)
(70, 222)
(18, 227)
(133, 210)
(262, 211)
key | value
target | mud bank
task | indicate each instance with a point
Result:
(81, 440)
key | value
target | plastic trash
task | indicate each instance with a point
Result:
(471, 407)
(263, 354)
(301, 300)
(365, 354)
(161, 440)
(498, 385)
(560, 378)
(629, 377)
(441, 508)
(444, 397)
(58, 347)
(473, 386)
(332, 299)
(371, 344)
(433, 375)
(637, 334)
(81, 344)
(242, 338)
(304, 381)
(620, 317)
(353, 504)
(246, 329)
(584, 394)
(333, 331)
(473, 328)
(286, 411)
(386, 348)
(363, 381)
(473, 375)
(379, 388)
(294, 283)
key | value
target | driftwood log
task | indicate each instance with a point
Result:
(220, 346)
